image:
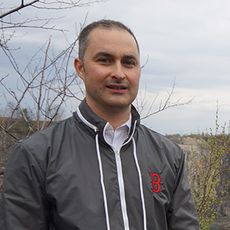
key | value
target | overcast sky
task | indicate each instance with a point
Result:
(186, 41)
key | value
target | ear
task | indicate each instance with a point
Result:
(78, 64)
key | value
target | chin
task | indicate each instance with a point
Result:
(119, 105)
(119, 101)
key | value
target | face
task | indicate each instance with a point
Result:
(110, 69)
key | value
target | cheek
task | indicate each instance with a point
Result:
(134, 79)
(94, 78)
(96, 72)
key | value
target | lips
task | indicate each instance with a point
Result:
(117, 86)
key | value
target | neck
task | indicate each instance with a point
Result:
(115, 116)
(117, 120)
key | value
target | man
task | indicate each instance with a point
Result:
(100, 169)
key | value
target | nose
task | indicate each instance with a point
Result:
(118, 71)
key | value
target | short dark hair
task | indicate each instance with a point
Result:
(104, 23)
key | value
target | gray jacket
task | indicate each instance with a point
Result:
(68, 178)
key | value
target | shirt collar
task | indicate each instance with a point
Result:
(115, 138)
(127, 124)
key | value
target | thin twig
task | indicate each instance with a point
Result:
(18, 8)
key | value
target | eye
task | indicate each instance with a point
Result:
(104, 59)
(129, 62)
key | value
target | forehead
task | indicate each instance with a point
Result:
(112, 39)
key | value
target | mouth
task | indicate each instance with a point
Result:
(117, 86)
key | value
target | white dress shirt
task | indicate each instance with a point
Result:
(115, 138)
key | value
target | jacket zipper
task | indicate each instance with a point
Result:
(122, 190)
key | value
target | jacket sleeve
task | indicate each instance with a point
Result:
(23, 198)
(182, 212)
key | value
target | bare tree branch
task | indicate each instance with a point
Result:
(57, 4)
(36, 23)
(18, 8)
(165, 103)
(8, 132)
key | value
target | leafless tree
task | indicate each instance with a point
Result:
(10, 19)
(45, 82)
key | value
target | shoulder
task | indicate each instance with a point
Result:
(159, 139)
(46, 135)
(34, 153)
(161, 144)
(39, 144)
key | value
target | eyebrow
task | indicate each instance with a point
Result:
(105, 54)
(129, 56)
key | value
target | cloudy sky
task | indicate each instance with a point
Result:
(186, 42)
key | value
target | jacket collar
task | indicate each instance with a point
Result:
(94, 122)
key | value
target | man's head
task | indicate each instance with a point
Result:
(109, 65)
(104, 24)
